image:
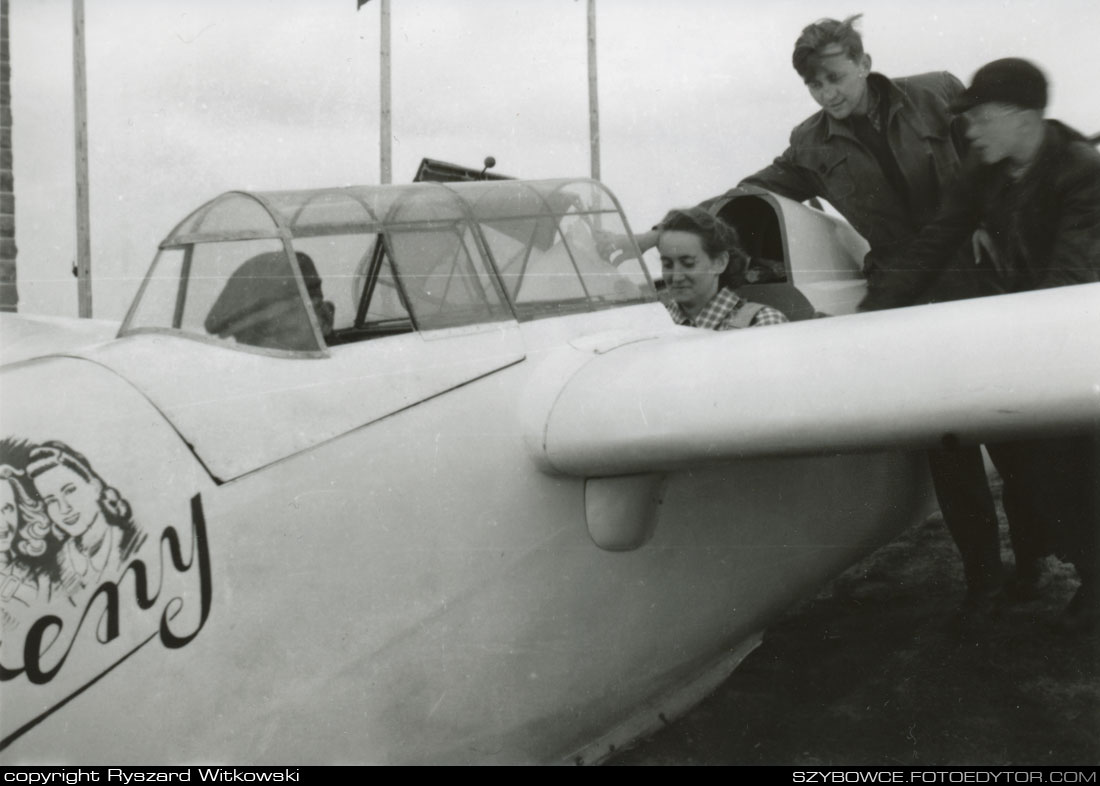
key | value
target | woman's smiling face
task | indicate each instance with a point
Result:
(71, 501)
(689, 272)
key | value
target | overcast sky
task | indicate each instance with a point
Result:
(187, 100)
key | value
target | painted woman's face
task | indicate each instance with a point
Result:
(71, 502)
(9, 520)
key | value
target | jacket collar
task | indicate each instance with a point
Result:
(1056, 136)
(887, 90)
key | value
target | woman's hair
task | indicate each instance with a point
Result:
(714, 234)
(821, 34)
(31, 546)
(114, 506)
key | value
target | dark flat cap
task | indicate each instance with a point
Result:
(1010, 80)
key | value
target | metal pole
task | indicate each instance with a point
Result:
(593, 93)
(83, 222)
(386, 122)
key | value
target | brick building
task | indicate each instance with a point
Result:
(9, 295)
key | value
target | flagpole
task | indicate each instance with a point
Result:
(593, 94)
(83, 221)
(386, 122)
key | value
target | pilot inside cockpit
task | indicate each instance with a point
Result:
(324, 309)
(261, 305)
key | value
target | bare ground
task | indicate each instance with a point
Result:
(873, 672)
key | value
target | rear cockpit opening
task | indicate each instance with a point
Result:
(758, 225)
(765, 276)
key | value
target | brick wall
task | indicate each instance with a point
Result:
(9, 295)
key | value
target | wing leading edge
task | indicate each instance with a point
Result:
(970, 371)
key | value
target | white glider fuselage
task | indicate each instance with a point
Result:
(510, 540)
(417, 590)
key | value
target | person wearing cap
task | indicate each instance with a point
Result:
(882, 151)
(1033, 184)
(1030, 182)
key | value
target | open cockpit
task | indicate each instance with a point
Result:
(801, 260)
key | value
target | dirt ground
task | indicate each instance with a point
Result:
(872, 672)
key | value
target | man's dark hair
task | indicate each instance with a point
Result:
(822, 34)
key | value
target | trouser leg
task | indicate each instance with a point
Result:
(1090, 541)
(966, 504)
(1026, 503)
(1053, 487)
(1072, 483)
(1063, 482)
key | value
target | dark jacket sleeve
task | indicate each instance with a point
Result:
(910, 268)
(1075, 254)
(786, 177)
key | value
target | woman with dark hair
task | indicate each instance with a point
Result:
(91, 518)
(700, 255)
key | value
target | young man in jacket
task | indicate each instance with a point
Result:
(883, 152)
(1033, 185)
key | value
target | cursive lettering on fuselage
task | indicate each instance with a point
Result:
(50, 632)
